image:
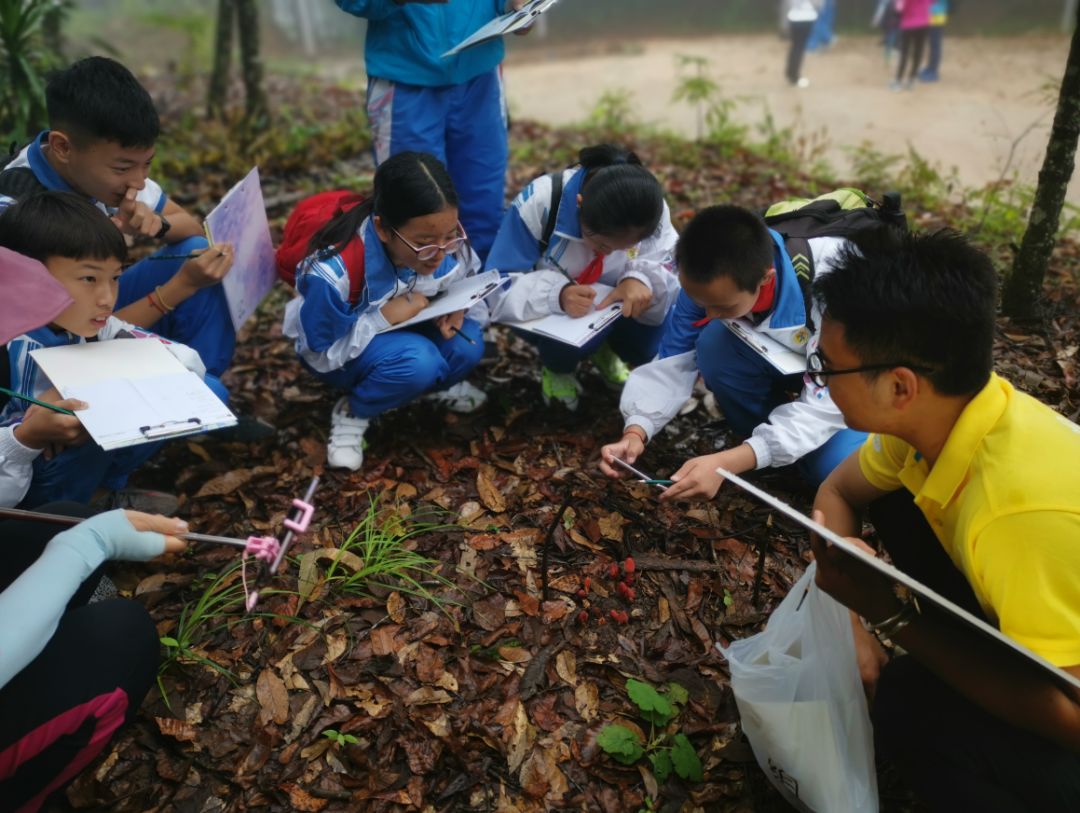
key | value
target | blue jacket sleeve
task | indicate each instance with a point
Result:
(324, 315)
(515, 247)
(682, 329)
(39, 597)
(371, 9)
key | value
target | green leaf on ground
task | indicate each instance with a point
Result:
(685, 758)
(654, 706)
(621, 743)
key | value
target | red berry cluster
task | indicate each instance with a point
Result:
(623, 577)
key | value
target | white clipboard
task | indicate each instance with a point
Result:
(505, 24)
(893, 574)
(782, 358)
(576, 331)
(460, 296)
(137, 390)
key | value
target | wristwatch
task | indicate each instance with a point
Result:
(165, 226)
(909, 611)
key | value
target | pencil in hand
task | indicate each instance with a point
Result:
(457, 332)
(32, 400)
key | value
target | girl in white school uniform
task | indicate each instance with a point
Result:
(601, 221)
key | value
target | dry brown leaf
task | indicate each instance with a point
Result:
(395, 607)
(490, 613)
(489, 493)
(514, 654)
(611, 526)
(566, 667)
(310, 578)
(303, 801)
(520, 736)
(177, 729)
(483, 541)
(529, 604)
(228, 482)
(556, 610)
(587, 700)
(425, 695)
(273, 697)
(384, 640)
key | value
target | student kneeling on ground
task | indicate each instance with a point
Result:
(974, 489)
(731, 265)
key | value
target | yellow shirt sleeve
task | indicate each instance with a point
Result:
(881, 459)
(1026, 568)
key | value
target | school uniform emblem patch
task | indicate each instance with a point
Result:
(801, 336)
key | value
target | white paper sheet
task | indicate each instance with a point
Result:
(240, 219)
(506, 24)
(575, 330)
(460, 296)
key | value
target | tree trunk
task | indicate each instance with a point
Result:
(52, 25)
(257, 107)
(219, 75)
(1020, 298)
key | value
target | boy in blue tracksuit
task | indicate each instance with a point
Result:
(732, 266)
(453, 108)
(45, 456)
(103, 127)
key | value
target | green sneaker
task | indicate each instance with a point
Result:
(561, 387)
(611, 368)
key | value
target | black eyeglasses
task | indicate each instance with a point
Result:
(425, 253)
(819, 373)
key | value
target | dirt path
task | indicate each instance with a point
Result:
(994, 90)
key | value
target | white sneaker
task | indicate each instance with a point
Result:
(463, 397)
(345, 449)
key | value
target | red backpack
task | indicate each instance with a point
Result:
(310, 215)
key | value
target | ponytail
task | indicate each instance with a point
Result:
(618, 195)
(406, 185)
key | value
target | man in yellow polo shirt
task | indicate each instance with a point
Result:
(974, 490)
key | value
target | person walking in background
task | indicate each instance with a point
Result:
(799, 16)
(939, 16)
(914, 26)
(452, 108)
(887, 18)
(822, 32)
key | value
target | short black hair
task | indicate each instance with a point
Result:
(60, 224)
(726, 241)
(927, 300)
(98, 99)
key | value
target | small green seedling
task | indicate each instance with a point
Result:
(667, 748)
(338, 739)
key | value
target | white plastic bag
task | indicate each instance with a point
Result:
(802, 704)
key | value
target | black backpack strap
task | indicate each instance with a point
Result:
(802, 260)
(553, 211)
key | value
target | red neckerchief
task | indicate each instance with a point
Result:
(766, 297)
(764, 303)
(592, 271)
